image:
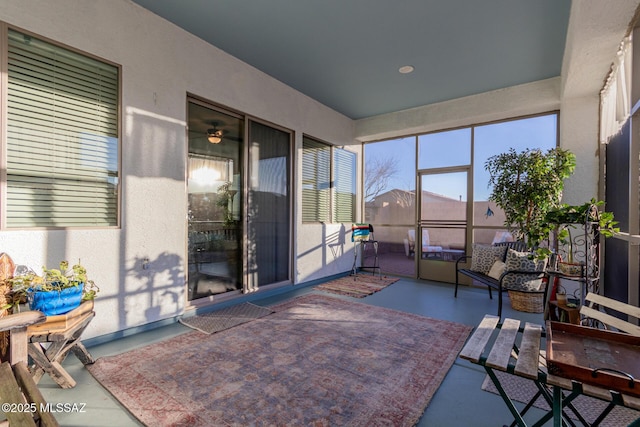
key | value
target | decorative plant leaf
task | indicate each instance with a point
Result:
(566, 215)
(52, 280)
(526, 186)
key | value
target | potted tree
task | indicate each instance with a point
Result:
(527, 185)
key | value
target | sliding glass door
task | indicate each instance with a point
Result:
(239, 203)
(269, 204)
(214, 187)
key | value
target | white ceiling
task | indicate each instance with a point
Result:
(346, 53)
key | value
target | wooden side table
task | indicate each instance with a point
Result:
(51, 341)
(562, 313)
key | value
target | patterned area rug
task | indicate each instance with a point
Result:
(317, 360)
(226, 318)
(358, 286)
(523, 390)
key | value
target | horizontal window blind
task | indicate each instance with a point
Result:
(62, 137)
(316, 181)
(345, 185)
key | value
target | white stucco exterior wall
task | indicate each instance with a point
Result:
(161, 64)
(579, 128)
(594, 34)
(532, 98)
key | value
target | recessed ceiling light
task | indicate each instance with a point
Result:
(406, 69)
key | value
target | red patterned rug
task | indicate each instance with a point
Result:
(358, 286)
(317, 360)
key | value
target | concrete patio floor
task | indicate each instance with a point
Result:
(458, 402)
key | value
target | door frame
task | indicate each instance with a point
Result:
(441, 270)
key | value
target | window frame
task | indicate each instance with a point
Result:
(5, 29)
(332, 216)
(319, 196)
(336, 184)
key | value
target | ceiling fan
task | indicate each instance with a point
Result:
(214, 135)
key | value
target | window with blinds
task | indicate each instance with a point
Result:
(316, 181)
(62, 137)
(344, 176)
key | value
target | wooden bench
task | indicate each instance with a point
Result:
(17, 387)
(489, 281)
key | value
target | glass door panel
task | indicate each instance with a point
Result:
(214, 202)
(443, 223)
(390, 202)
(269, 225)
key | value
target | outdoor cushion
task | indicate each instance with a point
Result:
(522, 261)
(496, 270)
(484, 256)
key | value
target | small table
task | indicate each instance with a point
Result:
(51, 341)
(516, 350)
(563, 313)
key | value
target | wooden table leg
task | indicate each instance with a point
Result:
(82, 353)
(49, 365)
(49, 348)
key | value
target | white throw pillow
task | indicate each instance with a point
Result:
(496, 270)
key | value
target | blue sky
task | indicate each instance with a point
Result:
(453, 148)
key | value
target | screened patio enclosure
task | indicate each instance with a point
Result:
(423, 232)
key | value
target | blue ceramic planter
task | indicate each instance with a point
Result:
(52, 303)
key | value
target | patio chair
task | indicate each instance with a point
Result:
(429, 250)
(410, 243)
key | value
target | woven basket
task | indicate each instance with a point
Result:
(530, 302)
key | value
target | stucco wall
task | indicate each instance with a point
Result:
(160, 65)
(531, 98)
(579, 126)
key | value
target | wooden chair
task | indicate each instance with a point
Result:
(590, 310)
(17, 386)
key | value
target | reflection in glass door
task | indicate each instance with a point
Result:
(442, 228)
(214, 201)
(269, 206)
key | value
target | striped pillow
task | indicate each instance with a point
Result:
(359, 232)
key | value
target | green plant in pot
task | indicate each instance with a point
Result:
(226, 194)
(526, 185)
(567, 217)
(55, 291)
